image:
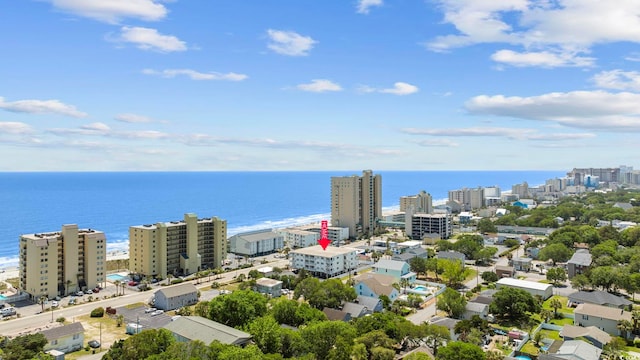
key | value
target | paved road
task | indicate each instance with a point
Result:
(28, 322)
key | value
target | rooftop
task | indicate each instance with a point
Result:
(523, 284)
(63, 331)
(599, 297)
(603, 312)
(177, 290)
(330, 251)
(205, 330)
(573, 332)
(390, 264)
(268, 282)
(578, 350)
(257, 235)
(581, 257)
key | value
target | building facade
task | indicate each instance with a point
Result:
(356, 202)
(177, 247)
(256, 243)
(59, 263)
(297, 238)
(425, 225)
(469, 199)
(420, 203)
(324, 263)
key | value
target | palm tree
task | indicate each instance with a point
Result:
(404, 283)
(555, 304)
(635, 315)
(117, 284)
(625, 326)
(545, 315)
(42, 300)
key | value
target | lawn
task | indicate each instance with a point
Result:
(530, 348)
(563, 301)
(103, 328)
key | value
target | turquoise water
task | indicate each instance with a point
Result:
(420, 288)
(2, 297)
(117, 277)
(522, 357)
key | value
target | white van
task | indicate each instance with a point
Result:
(9, 311)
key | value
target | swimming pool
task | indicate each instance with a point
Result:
(522, 357)
(2, 297)
(420, 288)
(117, 277)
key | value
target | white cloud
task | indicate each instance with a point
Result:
(9, 127)
(289, 43)
(133, 118)
(599, 110)
(545, 59)
(195, 75)
(618, 80)
(399, 88)
(320, 85)
(437, 143)
(150, 39)
(112, 11)
(365, 5)
(41, 107)
(565, 27)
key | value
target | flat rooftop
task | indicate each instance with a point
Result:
(317, 250)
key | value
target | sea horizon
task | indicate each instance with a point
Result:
(248, 200)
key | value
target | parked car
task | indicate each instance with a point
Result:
(79, 293)
(54, 303)
(88, 292)
(8, 311)
(96, 290)
(157, 312)
(94, 344)
(149, 310)
(132, 283)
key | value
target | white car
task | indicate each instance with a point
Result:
(149, 310)
(157, 312)
(54, 303)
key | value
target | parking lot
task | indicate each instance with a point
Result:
(137, 315)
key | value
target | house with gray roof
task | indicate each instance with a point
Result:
(176, 296)
(573, 350)
(579, 263)
(65, 338)
(270, 287)
(336, 315)
(372, 304)
(189, 328)
(522, 263)
(623, 206)
(594, 335)
(475, 308)
(355, 310)
(398, 269)
(447, 322)
(603, 317)
(598, 297)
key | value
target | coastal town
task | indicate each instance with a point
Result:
(536, 272)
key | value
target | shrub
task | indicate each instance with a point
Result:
(97, 312)
(61, 320)
(176, 281)
(636, 342)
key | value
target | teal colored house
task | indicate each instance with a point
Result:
(398, 269)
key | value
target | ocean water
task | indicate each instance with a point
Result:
(113, 201)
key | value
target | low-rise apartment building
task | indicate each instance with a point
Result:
(177, 247)
(298, 238)
(256, 243)
(324, 263)
(420, 226)
(58, 263)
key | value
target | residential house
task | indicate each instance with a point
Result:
(573, 350)
(475, 308)
(189, 328)
(65, 338)
(336, 315)
(594, 335)
(372, 304)
(355, 310)
(534, 288)
(623, 206)
(504, 271)
(451, 255)
(579, 263)
(398, 269)
(447, 322)
(598, 297)
(175, 297)
(409, 254)
(603, 317)
(522, 263)
(268, 286)
(374, 285)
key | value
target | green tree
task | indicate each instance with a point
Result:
(580, 282)
(238, 308)
(556, 275)
(294, 313)
(322, 337)
(489, 276)
(457, 350)
(469, 245)
(329, 293)
(190, 350)
(545, 315)
(484, 255)
(452, 302)
(266, 334)
(380, 353)
(25, 347)
(513, 303)
(602, 276)
(359, 352)
(453, 271)
(435, 336)
(418, 265)
(557, 252)
(142, 345)
(625, 327)
(555, 305)
(375, 338)
(486, 226)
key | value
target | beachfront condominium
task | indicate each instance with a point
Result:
(469, 199)
(356, 202)
(422, 203)
(177, 247)
(59, 263)
(324, 263)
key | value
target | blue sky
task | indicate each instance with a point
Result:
(109, 85)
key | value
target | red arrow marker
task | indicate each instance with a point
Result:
(324, 243)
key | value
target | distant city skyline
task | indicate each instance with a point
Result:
(157, 85)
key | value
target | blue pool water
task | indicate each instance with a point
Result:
(2, 297)
(420, 288)
(117, 277)
(522, 357)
